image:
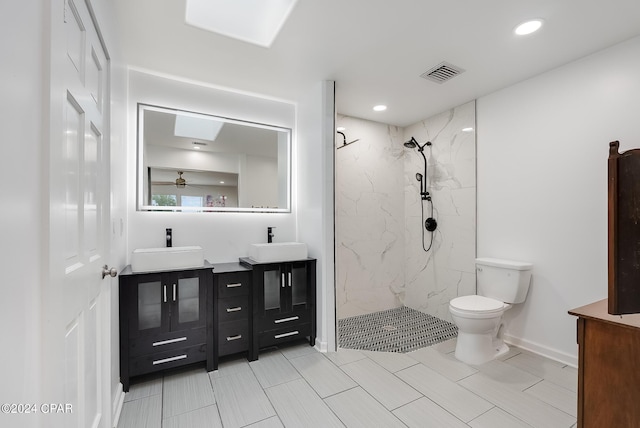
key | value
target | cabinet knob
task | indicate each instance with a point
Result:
(106, 271)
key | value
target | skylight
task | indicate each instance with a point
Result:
(253, 21)
(197, 127)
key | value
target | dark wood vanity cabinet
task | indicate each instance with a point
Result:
(284, 296)
(172, 318)
(231, 310)
(163, 320)
(608, 376)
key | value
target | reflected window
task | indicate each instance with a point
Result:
(164, 200)
(191, 201)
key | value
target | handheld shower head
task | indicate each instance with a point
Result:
(418, 176)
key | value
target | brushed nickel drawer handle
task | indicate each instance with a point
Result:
(230, 338)
(286, 319)
(280, 336)
(239, 308)
(166, 342)
(237, 284)
(168, 360)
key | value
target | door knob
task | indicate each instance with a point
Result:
(106, 271)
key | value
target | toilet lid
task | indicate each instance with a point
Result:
(477, 304)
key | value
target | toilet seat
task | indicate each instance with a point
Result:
(478, 306)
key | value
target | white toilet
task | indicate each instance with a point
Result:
(479, 317)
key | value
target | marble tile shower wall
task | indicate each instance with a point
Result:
(448, 270)
(380, 263)
(369, 217)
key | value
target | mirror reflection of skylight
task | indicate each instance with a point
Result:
(200, 128)
(253, 21)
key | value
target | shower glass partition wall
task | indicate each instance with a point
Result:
(380, 260)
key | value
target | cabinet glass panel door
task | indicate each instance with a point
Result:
(149, 305)
(272, 287)
(298, 284)
(188, 300)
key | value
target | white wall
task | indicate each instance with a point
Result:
(23, 188)
(224, 236)
(262, 175)
(313, 181)
(542, 185)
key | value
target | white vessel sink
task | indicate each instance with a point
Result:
(170, 258)
(278, 252)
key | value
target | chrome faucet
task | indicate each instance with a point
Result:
(270, 234)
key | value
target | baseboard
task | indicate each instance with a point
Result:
(321, 346)
(118, 401)
(536, 348)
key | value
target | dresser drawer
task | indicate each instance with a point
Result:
(168, 359)
(167, 341)
(233, 284)
(281, 335)
(233, 337)
(275, 321)
(233, 308)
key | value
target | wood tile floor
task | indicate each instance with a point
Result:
(298, 387)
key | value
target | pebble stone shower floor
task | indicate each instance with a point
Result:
(394, 330)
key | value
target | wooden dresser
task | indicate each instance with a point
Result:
(608, 367)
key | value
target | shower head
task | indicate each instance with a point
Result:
(418, 176)
(411, 144)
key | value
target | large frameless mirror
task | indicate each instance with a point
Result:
(191, 161)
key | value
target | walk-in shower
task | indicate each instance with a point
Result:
(384, 284)
(430, 224)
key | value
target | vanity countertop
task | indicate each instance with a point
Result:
(127, 270)
(229, 267)
(599, 311)
(248, 261)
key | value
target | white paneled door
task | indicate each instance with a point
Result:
(75, 307)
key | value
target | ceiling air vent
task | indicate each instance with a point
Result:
(442, 72)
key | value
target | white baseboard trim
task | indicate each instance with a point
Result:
(321, 346)
(118, 401)
(536, 348)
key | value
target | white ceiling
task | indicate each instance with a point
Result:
(376, 50)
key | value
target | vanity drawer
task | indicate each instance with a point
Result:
(233, 284)
(233, 337)
(168, 359)
(274, 321)
(167, 341)
(233, 308)
(281, 335)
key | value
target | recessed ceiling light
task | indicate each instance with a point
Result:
(222, 182)
(197, 145)
(528, 27)
(469, 129)
(379, 107)
(341, 128)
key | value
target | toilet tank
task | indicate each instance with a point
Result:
(504, 280)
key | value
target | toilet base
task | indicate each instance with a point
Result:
(476, 349)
